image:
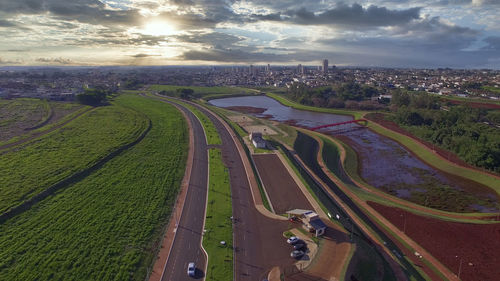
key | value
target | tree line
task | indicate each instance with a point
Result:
(471, 133)
(348, 95)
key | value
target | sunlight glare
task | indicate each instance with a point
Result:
(159, 28)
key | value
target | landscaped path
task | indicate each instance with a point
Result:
(41, 133)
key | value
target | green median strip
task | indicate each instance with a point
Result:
(218, 237)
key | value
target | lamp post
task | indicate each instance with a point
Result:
(404, 224)
(459, 267)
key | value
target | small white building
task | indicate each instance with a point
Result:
(257, 140)
(310, 219)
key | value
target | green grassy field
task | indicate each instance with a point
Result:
(108, 225)
(210, 131)
(21, 114)
(492, 89)
(218, 224)
(38, 164)
(20, 129)
(283, 100)
(204, 92)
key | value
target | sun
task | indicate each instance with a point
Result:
(159, 28)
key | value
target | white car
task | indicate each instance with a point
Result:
(292, 240)
(191, 269)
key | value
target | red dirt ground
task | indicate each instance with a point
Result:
(283, 191)
(379, 119)
(476, 245)
(475, 104)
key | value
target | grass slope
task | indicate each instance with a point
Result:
(218, 224)
(33, 167)
(204, 92)
(107, 226)
(286, 102)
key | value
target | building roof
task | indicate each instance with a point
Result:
(298, 212)
(317, 224)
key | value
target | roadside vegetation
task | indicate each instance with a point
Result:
(108, 225)
(35, 166)
(211, 133)
(218, 224)
(193, 92)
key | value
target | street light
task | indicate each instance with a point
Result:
(459, 267)
(404, 224)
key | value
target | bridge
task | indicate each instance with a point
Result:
(361, 121)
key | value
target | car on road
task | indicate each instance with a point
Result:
(191, 269)
(296, 254)
(292, 240)
(299, 246)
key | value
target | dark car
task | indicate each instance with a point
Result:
(299, 246)
(296, 254)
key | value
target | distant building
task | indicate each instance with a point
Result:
(325, 66)
(257, 140)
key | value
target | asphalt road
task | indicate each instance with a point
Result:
(258, 240)
(187, 244)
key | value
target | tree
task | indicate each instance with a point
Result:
(93, 97)
(185, 93)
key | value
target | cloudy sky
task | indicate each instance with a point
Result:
(399, 33)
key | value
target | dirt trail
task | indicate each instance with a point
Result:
(360, 202)
(42, 133)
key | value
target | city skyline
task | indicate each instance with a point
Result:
(382, 33)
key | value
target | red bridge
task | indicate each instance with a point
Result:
(362, 122)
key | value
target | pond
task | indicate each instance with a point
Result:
(384, 163)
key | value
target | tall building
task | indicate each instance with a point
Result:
(325, 66)
(268, 68)
(300, 69)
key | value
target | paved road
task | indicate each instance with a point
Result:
(258, 240)
(187, 244)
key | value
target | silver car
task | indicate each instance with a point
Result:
(191, 269)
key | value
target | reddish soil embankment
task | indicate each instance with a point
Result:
(379, 119)
(475, 246)
(247, 109)
(475, 104)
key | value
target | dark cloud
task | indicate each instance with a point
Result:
(493, 43)
(12, 24)
(345, 15)
(85, 11)
(215, 39)
(144, 55)
(63, 61)
(6, 23)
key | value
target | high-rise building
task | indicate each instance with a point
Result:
(268, 68)
(325, 66)
(300, 69)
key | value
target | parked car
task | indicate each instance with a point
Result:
(292, 240)
(294, 219)
(191, 269)
(299, 246)
(296, 254)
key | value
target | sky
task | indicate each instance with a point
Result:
(381, 33)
